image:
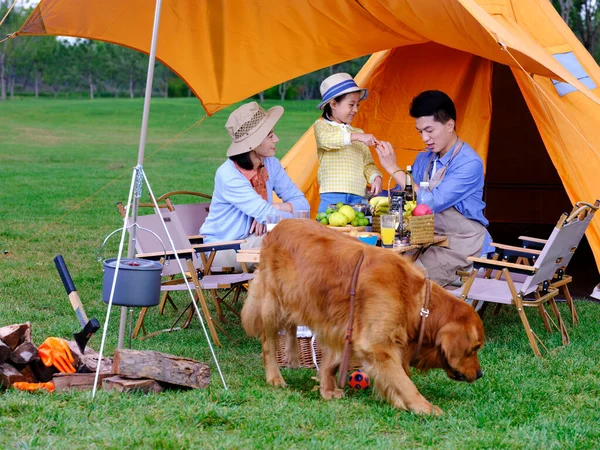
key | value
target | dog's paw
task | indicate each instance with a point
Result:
(330, 394)
(427, 409)
(276, 381)
(292, 363)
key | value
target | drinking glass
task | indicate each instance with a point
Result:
(388, 229)
(301, 214)
(272, 220)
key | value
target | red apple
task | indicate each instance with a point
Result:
(422, 210)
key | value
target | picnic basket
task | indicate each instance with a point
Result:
(421, 229)
(307, 345)
(376, 224)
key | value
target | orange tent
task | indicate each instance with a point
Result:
(482, 52)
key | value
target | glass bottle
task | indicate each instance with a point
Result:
(409, 193)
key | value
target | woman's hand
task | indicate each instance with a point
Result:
(258, 228)
(387, 156)
(367, 139)
(285, 207)
(376, 186)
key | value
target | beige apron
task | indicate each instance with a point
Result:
(465, 236)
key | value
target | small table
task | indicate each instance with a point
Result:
(438, 240)
(252, 255)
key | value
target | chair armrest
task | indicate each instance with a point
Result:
(216, 246)
(499, 265)
(196, 239)
(511, 250)
(533, 242)
(185, 253)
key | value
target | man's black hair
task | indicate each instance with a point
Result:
(433, 103)
(327, 108)
(243, 160)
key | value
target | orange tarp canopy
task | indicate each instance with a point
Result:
(228, 50)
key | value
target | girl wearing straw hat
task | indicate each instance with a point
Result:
(345, 162)
(244, 184)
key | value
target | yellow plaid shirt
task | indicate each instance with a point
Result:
(344, 166)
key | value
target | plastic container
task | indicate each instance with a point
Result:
(425, 195)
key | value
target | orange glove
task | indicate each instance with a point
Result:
(56, 352)
(25, 386)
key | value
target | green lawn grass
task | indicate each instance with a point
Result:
(55, 154)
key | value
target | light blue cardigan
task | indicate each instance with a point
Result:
(235, 203)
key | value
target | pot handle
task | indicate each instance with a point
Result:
(101, 250)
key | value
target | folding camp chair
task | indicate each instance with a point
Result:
(148, 246)
(582, 213)
(535, 289)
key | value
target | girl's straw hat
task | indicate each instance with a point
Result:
(336, 85)
(249, 125)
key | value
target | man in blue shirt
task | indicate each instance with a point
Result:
(455, 175)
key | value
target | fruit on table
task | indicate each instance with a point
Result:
(379, 205)
(337, 219)
(422, 210)
(408, 208)
(348, 212)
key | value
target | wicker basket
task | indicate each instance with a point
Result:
(306, 346)
(376, 225)
(421, 229)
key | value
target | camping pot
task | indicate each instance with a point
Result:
(138, 282)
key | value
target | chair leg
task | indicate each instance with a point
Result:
(544, 315)
(561, 324)
(528, 330)
(140, 323)
(202, 300)
(567, 294)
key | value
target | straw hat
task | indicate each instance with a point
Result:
(249, 125)
(336, 85)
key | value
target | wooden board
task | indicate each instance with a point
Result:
(77, 381)
(16, 334)
(119, 384)
(161, 367)
(9, 375)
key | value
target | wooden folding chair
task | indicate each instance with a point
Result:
(535, 288)
(581, 216)
(148, 246)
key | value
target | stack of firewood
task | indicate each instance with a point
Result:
(131, 370)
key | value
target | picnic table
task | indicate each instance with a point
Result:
(252, 255)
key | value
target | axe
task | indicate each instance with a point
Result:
(89, 327)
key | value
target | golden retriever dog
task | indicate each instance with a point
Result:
(304, 278)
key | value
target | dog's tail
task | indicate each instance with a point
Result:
(252, 310)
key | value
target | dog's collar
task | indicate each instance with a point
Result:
(424, 315)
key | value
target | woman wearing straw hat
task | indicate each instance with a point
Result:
(345, 162)
(244, 184)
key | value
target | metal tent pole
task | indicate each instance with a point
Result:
(141, 149)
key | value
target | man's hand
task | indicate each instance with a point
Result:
(387, 156)
(376, 186)
(56, 352)
(367, 139)
(258, 228)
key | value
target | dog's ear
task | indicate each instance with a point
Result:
(453, 340)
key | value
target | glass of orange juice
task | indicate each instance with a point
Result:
(388, 229)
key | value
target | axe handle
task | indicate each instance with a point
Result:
(71, 291)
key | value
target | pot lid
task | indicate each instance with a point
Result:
(133, 264)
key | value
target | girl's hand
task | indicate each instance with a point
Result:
(368, 139)
(258, 228)
(376, 186)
